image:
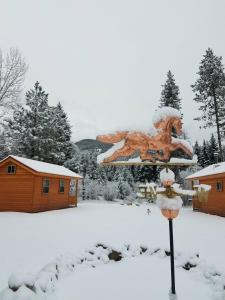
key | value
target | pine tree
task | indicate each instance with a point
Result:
(170, 93)
(209, 91)
(197, 151)
(213, 150)
(60, 133)
(205, 155)
(39, 131)
(123, 173)
(27, 128)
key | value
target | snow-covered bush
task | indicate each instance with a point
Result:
(92, 189)
(124, 189)
(110, 191)
(132, 197)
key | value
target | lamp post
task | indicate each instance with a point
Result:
(168, 196)
(170, 211)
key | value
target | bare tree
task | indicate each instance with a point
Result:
(12, 74)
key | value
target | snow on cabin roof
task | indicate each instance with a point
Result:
(43, 167)
(210, 170)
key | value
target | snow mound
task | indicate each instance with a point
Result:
(45, 281)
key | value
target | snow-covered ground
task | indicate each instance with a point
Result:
(29, 242)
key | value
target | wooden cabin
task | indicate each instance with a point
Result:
(28, 185)
(213, 175)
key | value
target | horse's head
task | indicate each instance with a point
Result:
(177, 125)
(168, 123)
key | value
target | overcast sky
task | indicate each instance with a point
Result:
(106, 60)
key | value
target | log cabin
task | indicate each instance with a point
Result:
(213, 175)
(28, 185)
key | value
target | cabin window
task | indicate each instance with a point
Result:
(11, 169)
(61, 185)
(45, 186)
(219, 186)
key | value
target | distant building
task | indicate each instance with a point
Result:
(213, 175)
(31, 186)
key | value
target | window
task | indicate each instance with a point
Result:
(45, 186)
(219, 186)
(11, 169)
(61, 185)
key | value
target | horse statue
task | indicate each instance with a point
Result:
(161, 141)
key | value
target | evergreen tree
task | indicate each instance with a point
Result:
(123, 173)
(59, 134)
(39, 131)
(209, 91)
(74, 163)
(170, 93)
(205, 155)
(197, 151)
(27, 128)
(213, 150)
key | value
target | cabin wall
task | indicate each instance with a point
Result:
(16, 190)
(216, 199)
(54, 199)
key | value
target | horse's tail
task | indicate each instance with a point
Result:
(112, 138)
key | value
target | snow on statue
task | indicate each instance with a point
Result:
(160, 140)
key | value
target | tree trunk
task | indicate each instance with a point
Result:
(217, 125)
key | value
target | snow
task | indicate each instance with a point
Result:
(109, 152)
(55, 242)
(167, 174)
(205, 187)
(185, 143)
(179, 190)
(137, 160)
(44, 167)
(184, 161)
(210, 170)
(164, 202)
(165, 112)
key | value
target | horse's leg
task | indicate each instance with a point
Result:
(124, 151)
(165, 156)
(145, 156)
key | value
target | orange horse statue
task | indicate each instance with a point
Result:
(162, 141)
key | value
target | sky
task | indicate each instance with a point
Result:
(106, 60)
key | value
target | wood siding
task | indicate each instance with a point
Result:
(54, 199)
(23, 191)
(16, 190)
(216, 199)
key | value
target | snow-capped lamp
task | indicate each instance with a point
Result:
(168, 200)
(155, 148)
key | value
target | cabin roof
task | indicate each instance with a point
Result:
(43, 167)
(209, 171)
